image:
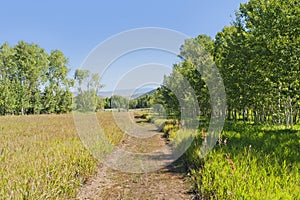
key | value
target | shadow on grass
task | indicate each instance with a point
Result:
(277, 141)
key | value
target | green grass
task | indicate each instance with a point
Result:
(257, 162)
(41, 157)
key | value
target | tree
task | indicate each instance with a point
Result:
(259, 59)
(88, 88)
(32, 81)
(188, 82)
(8, 81)
(31, 63)
(119, 102)
(57, 95)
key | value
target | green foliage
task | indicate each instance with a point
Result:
(32, 81)
(185, 90)
(146, 116)
(164, 96)
(258, 57)
(144, 101)
(57, 96)
(88, 86)
(169, 127)
(118, 102)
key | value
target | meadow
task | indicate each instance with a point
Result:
(42, 157)
(248, 162)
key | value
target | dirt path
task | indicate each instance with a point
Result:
(166, 183)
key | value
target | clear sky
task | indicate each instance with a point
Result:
(76, 27)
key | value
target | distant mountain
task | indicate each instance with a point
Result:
(128, 93)
(147, 93)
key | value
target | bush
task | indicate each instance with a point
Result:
(170, 128)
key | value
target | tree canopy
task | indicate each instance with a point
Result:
(258, 58)
(33, 81)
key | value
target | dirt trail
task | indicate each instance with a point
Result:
(167, 183)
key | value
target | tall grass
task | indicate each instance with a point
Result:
(41, 157)
(250, 162)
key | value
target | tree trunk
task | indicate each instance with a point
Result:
(229, 114)
(255, 117)
(234, 114)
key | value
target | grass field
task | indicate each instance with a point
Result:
(41, 157)
(250, 162)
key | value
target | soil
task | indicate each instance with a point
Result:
(169, 182)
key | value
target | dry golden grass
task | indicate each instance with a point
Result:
(41, 157)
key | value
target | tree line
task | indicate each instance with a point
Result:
(87, 98)
(33, 81)
(258, 59)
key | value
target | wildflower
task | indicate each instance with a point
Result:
(220, 141)
(230, 162)
(225, 141)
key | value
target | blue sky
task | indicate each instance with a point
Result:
(76, 27)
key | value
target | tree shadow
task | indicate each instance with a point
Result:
(281, 143)
(177, 167)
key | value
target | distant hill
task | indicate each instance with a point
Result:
(151, 92)
(128, 93)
